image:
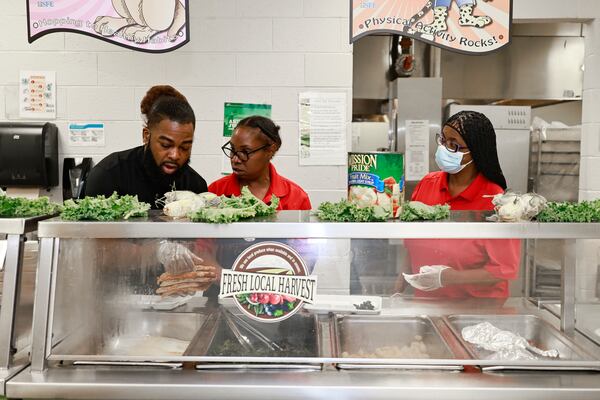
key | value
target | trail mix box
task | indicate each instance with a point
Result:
(376, 179)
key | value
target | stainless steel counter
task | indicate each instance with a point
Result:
(104, 382)
(301, 224)
(48, 378)
(19, 226)
(132, 383)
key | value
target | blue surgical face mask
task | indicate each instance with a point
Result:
(448, 161)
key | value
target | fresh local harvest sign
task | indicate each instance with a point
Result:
(466, 26)
(155, 26)
(269, 282)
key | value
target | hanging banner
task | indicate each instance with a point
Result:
(154, 26)
(464, 26)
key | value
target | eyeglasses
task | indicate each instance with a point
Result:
(453, 147)
(243, 155)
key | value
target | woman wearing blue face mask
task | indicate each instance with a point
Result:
(470, 172)
(468, 160)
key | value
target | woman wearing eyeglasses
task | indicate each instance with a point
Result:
(470, 174)
(254, 142)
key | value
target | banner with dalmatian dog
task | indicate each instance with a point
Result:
(155, 26)
(465, 26)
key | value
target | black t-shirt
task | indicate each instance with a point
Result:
(134, 172)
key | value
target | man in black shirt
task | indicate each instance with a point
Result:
(162, 163)
(149, 171)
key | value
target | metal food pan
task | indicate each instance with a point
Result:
(164, 333)
(370, 337)
(295, 337)
(534, 329)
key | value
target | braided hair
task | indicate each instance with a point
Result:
(265, 125)
(480, 137)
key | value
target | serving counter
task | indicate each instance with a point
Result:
(100, 330)
(16, 304)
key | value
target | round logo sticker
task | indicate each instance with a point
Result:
(266, 282)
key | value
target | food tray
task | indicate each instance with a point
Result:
(362, 336)
(534, 329)
(326, 303)
(297, 336)
(147, 335)
(258, 366)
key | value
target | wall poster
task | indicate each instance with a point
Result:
(154, 26)
(37, 94)
(464, 26)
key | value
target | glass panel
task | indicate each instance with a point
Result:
(24, 305)
(588, 289)
(437, 268)
(378, 301)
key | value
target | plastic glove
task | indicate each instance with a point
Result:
(177, 258)
(429, 277)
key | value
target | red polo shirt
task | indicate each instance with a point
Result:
(291, 196)
(501, 257)
(433, 189)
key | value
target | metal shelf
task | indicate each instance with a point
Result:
(301, 224)
(19, 226)
(95, 383)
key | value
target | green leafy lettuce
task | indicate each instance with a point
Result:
(417, 211)
(101, 208)
(20, 207)
(585, 211)
(344, 211)
(235, 208)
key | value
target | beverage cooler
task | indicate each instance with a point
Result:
(101, 331)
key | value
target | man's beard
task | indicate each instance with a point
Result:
(151, 165)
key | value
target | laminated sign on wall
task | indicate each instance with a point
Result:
(37, 94)
(465, 26)
(144, 25)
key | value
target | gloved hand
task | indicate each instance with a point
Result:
(176, 258)
(429, 277)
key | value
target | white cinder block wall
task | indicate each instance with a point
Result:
(263, 51)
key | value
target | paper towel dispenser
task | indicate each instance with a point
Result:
(28, 154)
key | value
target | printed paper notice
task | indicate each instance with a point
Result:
(37, 94)
(417, 149)
(322, 118)
(91, 135)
